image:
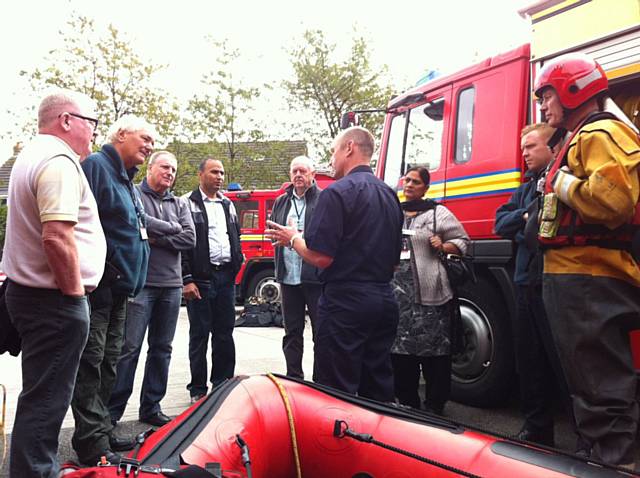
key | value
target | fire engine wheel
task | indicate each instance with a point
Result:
(264, 285)
(482, 373)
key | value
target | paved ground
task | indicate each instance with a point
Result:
(258, 351)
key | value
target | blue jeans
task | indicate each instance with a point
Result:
(54, 330)
(213, 314)
(156, 309)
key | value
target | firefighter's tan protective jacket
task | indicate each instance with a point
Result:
(604, 157)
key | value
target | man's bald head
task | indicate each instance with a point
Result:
(361, 137)
(351, 148)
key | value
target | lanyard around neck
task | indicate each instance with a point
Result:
(295, 205)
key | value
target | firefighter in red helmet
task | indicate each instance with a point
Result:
(591, 284)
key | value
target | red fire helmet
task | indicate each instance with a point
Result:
(575, 77)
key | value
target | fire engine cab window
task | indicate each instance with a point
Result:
(424, 138)
(394, 152)
(424, 141)
(464, 125)
(247, 214)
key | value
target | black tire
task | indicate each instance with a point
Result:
(482, 374)
(263, 284)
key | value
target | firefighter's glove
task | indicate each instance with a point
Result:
(562, 182)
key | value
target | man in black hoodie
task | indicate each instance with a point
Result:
(298, 280)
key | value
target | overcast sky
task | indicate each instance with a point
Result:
(407, 35)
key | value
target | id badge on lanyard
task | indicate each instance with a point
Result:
(405, 253)
(143, 231)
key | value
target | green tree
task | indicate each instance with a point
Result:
(105, 67)
(326, 87)
(222, 115)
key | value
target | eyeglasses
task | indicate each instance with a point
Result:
(93, 121)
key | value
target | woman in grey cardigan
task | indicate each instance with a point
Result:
(426, 328)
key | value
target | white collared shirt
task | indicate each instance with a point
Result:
(219, 246)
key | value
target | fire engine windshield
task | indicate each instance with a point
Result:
(423, 147)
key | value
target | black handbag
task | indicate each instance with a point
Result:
(459, 267)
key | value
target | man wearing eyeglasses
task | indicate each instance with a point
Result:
(109, 173)
(53, 255)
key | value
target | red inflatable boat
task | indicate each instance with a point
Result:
(272, 426)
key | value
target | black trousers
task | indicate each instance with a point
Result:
(295, 300)
(97, 373)
(436, 371)
(591, 319)
(357, 327)
(537, 362)
(212, 318)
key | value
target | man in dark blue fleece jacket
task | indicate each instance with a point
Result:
(109, 173)
(536, 358)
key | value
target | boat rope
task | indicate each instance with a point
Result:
(292, 426)
(341, 430)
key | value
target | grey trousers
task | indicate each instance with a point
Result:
(53, 329)
(590, 319)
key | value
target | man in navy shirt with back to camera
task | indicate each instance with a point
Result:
(355, 237)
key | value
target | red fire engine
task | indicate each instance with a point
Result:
(465, 128)
(257, 275)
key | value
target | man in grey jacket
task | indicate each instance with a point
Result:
(157, 306)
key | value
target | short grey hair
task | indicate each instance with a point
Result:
(360, 136)
(157, 154)
(60, 101)
(130, 123)
(308, 162)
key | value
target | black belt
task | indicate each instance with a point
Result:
(220, 267)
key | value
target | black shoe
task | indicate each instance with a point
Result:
(543, 437)
(157, 419)
(583, 448)
(196, 398)
(121, 443)
(108, 455)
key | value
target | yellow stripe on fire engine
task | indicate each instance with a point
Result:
(474, 185)
(484, 184)
(252, 237)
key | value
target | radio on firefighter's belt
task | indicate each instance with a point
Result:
(549, 216)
